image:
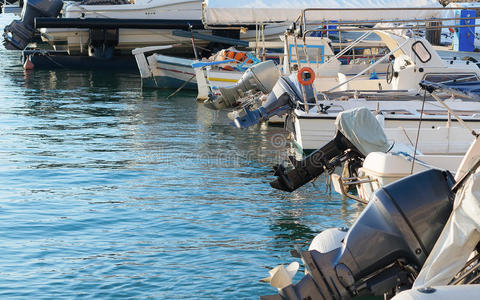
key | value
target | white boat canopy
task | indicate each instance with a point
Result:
(217, 12)
(458, 239)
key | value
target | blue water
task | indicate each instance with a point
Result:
(108, 191)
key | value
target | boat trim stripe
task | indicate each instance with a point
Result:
(163, 62)
(221, 79)
(176, 71)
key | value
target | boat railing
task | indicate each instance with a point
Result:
(305, 26)
(302, 20)
(320, 60)
(385, 57)
(413, 25)
(364, 95)
(428, 21)
(465, 79)
(353, 44)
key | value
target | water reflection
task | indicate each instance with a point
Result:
(74, 80)
(112, 191)
(288, 229)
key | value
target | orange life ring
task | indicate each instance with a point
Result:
(307, 80)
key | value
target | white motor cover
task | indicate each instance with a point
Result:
(362, 129)
(457, 240)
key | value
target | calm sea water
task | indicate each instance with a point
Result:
(108, 191)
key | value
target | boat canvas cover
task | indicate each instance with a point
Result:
(458, 239)
(461, 234)
(362, 129)
(216, 12)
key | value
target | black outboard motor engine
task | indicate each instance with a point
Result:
(385, 248)
(333, 154)
(286, 95)
(19, 34)
(358, 134)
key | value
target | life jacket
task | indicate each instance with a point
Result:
(238, 56)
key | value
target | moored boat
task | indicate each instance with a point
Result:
(423, 237)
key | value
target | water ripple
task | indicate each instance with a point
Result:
(108, 191)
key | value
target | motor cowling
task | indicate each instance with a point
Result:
(19, 34)
(258, 78)
(285, 96)
(386, 246)
(325, 158)
(358, 134)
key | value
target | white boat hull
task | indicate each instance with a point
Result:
(76, 40)
(166, 72)
(437, 135)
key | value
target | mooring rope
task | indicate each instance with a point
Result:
(181, 87)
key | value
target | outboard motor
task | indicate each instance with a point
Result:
(358, 134)
(285, 96)
(259, 78)
(385, 248)
(19, 34)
